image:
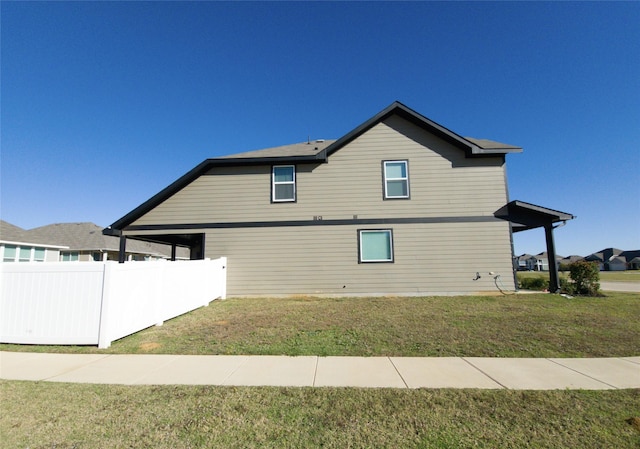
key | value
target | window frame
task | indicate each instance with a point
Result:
(5, 254)
(385, 179)
(73, 256)
(361, 259)
(275, 183)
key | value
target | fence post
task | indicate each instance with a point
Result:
(104, 340)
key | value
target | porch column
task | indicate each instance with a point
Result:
(554, 282)
(122, 254)
(173, 252)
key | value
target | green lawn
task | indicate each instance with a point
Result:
(40, 415)
(43, 415)
(537, 325)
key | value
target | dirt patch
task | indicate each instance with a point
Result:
(149, 346)
(221, 323)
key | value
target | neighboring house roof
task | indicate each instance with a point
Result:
(571, 259)
(526, 256)
(617, 260)
(594, 257)
(10, 233)
(631, 255)
(89, 237)
(318, 152)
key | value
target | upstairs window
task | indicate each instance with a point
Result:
(396, 179)
(283, 183)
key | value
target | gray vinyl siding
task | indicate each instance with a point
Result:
(430, 258)
(442, 181)
(323, 260)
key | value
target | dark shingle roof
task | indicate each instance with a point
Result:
(311, 148)
(487, 144)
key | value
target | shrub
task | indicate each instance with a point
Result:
(585, 277)
(563, 267)
(538, 283)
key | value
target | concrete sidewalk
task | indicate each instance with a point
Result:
(311, 371)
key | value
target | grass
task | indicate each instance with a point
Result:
(605, 276)
(46, 415)
(40, 415)
(537, 325)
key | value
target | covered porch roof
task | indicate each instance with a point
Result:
(524, 216)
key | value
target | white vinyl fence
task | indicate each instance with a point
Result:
(95, 303)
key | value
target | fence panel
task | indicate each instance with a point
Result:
(97, 303)
(50, 303)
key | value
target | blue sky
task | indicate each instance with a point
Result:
(106, 103)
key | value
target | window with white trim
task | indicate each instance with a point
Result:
(396, 179)
(67, 256)
(39, 254)
(283, 183)
(9, 253)
(24, 254)
(375, 245)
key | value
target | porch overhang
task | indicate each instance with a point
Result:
(524, 216)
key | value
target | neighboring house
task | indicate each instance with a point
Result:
(597, 258)
(616, 263)
(86, 242)
(611, 259)
(633, 259)
(526, 262)
(570, 259)
(399, 205)
(71, 242)
(539, 262)
(16, 245)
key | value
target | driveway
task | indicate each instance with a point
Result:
(620, 286)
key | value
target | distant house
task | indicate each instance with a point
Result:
(610, 259)
(632, 258)
(566, 261)
(399, 205)
(526, 262)
(616, 263)
(540, 262)
(16, 245)
(72, 242)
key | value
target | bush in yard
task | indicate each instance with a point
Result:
(585, 277)
(538, 283)
(563, 267)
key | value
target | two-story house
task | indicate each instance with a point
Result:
(399, 205)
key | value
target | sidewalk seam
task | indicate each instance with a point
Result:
(70, 370)
(626, 359)
(490, 377)
(315, 371)
(398, 371)
(240, 365)
(583, 374)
